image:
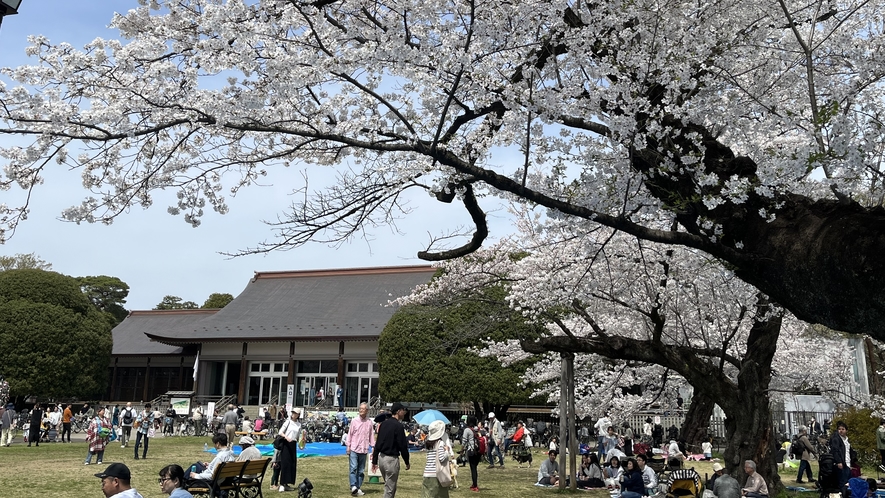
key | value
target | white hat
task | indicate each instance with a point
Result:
(491, 415)
(717, 467)
(436, 430)
(246, 440)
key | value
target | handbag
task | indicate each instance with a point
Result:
(280, 441)
(443, 473)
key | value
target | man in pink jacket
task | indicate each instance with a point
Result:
(359, 439)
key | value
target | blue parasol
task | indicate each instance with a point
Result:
(428, 416)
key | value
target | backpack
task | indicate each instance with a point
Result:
(826, 475)
(796, 449)
(127, 416)
(482, 444)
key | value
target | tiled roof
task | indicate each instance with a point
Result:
(130, 339)
(315, 305)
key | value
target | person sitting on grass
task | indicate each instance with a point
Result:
(548, 474)
(755, 486)
(590, 474)
(632, 485)
(613, 470)
(649, 477)
(201, 472)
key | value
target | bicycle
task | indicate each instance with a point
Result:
(190, 427)
(79, 423)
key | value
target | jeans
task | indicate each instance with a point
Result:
(138, 438)
(494, 448)
(65, 429)
(100, 455)
(804, 465)
(473, 462)
(357, 469)
(630, 494)
(125, 435)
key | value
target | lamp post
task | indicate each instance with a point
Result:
(8, 8)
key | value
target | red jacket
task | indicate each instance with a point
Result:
(517, 436)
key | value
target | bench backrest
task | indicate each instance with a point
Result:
(256, 467)
(227, 470)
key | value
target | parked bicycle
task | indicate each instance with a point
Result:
(188, 427)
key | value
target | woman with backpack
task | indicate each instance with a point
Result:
(470, 446)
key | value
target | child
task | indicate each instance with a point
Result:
(707, 449)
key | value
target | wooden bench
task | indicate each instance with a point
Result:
(253, 434)
(223, 479)
(250, 482)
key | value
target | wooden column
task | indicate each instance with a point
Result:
(291, 364)
(241, 390)
(145, 396)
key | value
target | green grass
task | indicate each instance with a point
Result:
(57, 471)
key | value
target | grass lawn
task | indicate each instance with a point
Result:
(57, 471)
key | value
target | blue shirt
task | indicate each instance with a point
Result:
(180, 493)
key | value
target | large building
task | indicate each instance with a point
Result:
(314, 329)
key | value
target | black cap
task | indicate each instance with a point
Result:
(118, 470)
(397, 407)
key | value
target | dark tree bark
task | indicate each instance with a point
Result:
(745, 401)
(695, 427)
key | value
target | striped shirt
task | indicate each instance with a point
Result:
(440, 452)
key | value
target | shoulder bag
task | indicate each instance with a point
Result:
(443, 473)
(280, 441)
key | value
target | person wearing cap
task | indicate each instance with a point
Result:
(725, 485)
(115, 482)
(249, 451)
(288, 457)
(548, 474)
(389, 446)
(360, 437)
(171, 482)
(436, 456)
(496, 439)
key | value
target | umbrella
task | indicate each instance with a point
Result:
(428, 416)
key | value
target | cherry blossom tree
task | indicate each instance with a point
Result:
(638, 312)
(749, 131)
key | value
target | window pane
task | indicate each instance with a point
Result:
(254, 388)
(375, 367)
(329, 366)
(311, 366)
(255, 367)
(265, 367)
(351, 367)
(277, 367)
(364, 367)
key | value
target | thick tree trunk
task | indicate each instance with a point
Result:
(695, 427)
(745, 402)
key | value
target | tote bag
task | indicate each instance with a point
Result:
(443, 474)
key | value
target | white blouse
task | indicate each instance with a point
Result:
(291, 430)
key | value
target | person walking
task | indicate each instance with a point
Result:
(470, 445)
(143, 423)
(360, 438)
(127, 418)
(437, 456)
(6, 422)
(496, 439)
(288, 458)
(97, 435)
(229, 421)
(803, 451)
(389, 446)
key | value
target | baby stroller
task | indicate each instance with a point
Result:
(683, 483)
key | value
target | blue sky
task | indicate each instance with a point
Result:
(159, 254)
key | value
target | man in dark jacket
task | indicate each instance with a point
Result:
(840, 450)
(389, 446)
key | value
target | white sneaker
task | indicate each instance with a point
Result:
(359, 492)
(353, 490)
(282, 489)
